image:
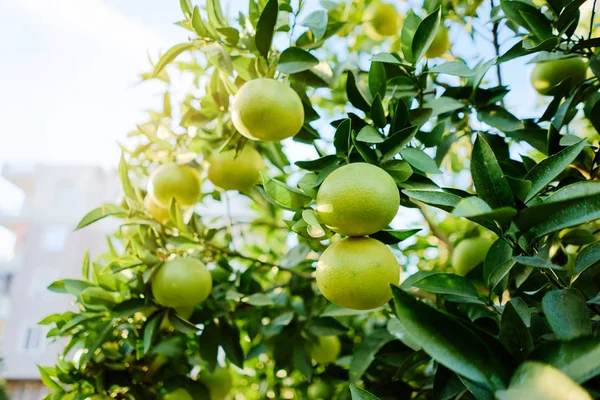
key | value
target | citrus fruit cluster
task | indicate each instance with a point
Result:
(357, 200)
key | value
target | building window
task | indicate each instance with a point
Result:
(33, 339)
(39, 281)
(55, 238)
(5, 282)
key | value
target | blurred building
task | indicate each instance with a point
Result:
(40, 205)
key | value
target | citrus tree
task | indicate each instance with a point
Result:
(320, 289)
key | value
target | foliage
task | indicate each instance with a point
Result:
(532, 189)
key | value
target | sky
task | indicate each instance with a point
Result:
(69, 75)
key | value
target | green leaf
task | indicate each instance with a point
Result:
(125, 182)
(295, 59)
(301, 359)
(480, 72)
(265, 28)
(316, 21)
(169, 56)
(544, 172)
(361, 394)
(209, 342)
(365, 352)
(500, 251)
(151, 330)
(103, 211)
(377, 112)
(180, 324)
(569, 206)
(418, 159)
(198, 25)
(578, 237)
(425, 34)
(388, 236)
(499, 118)
(325, 326)
(400, 170)
(567, 313)
(456, 68)
(283, 195)
(85, 268)
(101, 335)
(394, 144)
(444, 105)
(409, 28)
(445, 201)
(578, 358)
(499, 274)
(354, 94)
(537, 24)
(259, 299)
(451, 343)
(215, 14)
(294, 256)
(395, 328)
(519, 187)
(368, 134)
(488, 177)
(377, 79)
(587, 257)
(230, 342)
(318, 164)
(447, 284)
(514, 334)
(341, 137)
(333, 310)
(48, 380)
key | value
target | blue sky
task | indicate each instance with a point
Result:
(69, 73)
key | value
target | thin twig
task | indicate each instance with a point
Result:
(592, 20)
(496, 42)
(443, 238)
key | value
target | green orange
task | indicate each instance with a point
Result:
(266, 109)
(469, 253)
(319, 390)
(178, 394)
(440, 45)
(175, 182)
(326, 349)
(381, 20)
(218, 382)
(231, 172)
(357, 272)
(156, 210)
(548, 74)
(358, 199)
(181, 282)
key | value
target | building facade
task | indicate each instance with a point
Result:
(40, 205)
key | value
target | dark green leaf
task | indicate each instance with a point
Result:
(400, 170)
(447, 284)
(354, 94)
(230, 342)
(567, 313)
(300, 358)
(395, 144)
(377, 79)
(425, 34)
(544, 172)
(151, 330)
(578, 358)
(488, 177)
(514, 334)
(361, 394)
(318, 164)
(180, 324)
(587, 257)
(537, 24)
(365, 352)
(265, 28)
(445, 201)
(341, 137)
(451, 343)
(395, 328)
(101, 335)
(578, 237)
(295, 59)
(500, 251)
(377, 112)
(388, 236)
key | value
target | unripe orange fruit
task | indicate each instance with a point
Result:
(235, 173)
(358, 199)
(548, 74)
(181, 282)
(357, 272)
(175, 182)
(266, 109)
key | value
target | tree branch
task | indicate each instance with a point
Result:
(443, 238)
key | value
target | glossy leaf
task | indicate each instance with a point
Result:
(425, 34)
(488, 177)
(447, 284)
(284, 195)
(169, 56)
(419, 160)
(578, 358)
(295, 59)
(265, 28)
(365, 352)
(361, 394)
(567, 313)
